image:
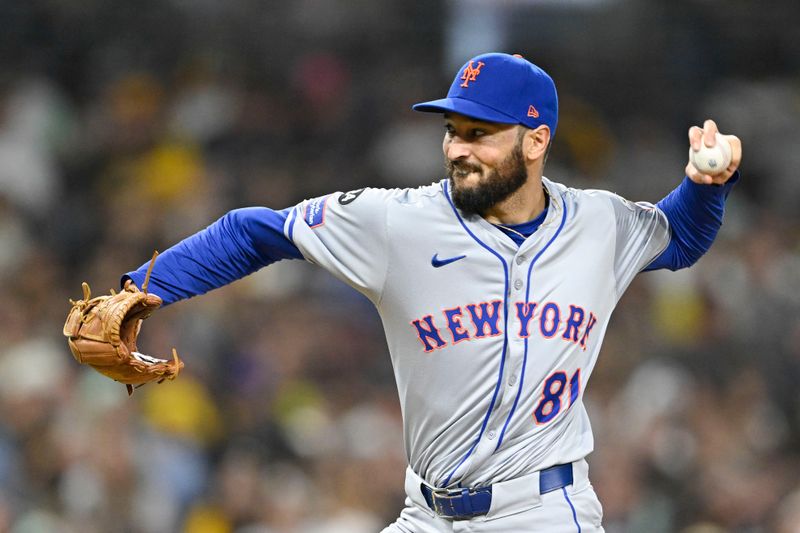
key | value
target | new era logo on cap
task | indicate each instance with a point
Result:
(501, 88)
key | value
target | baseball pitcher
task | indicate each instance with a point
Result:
(495, 287)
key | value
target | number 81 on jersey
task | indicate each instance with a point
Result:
(554, 387)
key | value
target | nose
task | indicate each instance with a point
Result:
(455, 148)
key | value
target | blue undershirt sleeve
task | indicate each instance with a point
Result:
(695, 214)
(241, 242)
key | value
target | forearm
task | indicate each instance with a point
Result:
(238, 244)
(695, 215)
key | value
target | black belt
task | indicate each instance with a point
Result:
(463, 503)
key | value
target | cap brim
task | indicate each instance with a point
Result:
(465, 107)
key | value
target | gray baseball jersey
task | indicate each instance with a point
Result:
(492, 344)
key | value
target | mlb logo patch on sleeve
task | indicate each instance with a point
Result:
(315, 212)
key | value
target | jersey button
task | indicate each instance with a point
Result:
(518, 284)
(490, 434)
(512, 380)
(520, 260)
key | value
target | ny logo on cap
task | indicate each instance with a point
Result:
(470, 73)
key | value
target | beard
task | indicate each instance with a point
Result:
(499, 184)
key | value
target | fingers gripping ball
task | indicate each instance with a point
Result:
(712, 160)
(102, 331)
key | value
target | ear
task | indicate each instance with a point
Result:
(535, 143)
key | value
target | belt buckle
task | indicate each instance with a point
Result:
(439, 496)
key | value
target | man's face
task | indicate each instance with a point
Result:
(484, 162)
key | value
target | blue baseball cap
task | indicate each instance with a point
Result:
(502, 88)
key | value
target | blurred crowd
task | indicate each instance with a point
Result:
(126, 126)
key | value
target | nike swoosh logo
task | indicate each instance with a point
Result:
(436, 262)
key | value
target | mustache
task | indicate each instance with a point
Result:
(461, 167)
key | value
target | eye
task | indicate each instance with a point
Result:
(477, 132)
(449, 129)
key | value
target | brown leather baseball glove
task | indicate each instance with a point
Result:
(102, 331)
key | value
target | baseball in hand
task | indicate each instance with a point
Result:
(712, 160)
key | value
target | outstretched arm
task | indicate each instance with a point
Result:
(695, 209)
(238, 244)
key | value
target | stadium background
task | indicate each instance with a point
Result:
(125, 126)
